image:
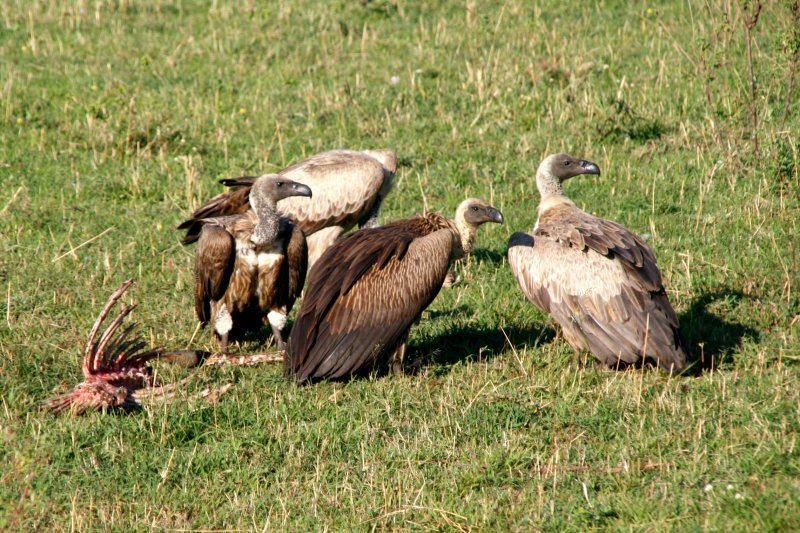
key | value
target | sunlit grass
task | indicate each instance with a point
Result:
(119, 117)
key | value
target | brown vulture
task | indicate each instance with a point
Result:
(251, 266)
(348, 186)
(367, 290)
(597, 279)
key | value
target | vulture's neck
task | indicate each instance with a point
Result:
(268, 225)
(551, 192)
(466, 236)
(548, 184)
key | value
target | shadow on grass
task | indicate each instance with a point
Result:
(490, 256)
(712, 337)
(471, 343)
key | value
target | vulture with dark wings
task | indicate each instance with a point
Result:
(597, 279)
(251, 266)
(367, 290)
(348, 186)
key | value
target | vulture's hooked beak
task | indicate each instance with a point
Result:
(589, 167)
(298, 189)
(495, 215)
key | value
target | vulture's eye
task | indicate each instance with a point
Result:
(474, 208)
(567, 163)
(280, 184)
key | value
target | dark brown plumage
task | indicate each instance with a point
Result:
(250, 268)
(368, 289)
(597, 279)
(348, 186)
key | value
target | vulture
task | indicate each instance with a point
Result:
(596, 278)
(251, 266)
(367, 290)
(348, 186)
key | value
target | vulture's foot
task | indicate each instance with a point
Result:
(450, 279)
(414, 365)
(279, 344)
(397, 369)
(396, 360)
(223, 343)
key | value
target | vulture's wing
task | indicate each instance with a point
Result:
(297, 255)
(345, 185)
(552, 274)
(214, 259)
(363, 296)
(569, 225)
(231, 202)
(603, 288)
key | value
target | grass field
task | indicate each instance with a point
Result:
(118, 117)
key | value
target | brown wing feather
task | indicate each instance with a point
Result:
(297, 254)
(234, 202)
(214, 259)
(606, 294)
(345, 183)
(568, 224)
(363, 296)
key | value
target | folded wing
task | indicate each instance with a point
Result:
(602, 285)
(363, 296)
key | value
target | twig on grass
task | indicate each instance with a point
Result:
(84, 243)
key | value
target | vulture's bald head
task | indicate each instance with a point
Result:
(564, 166)
(470, 214)
(270, 188)
(557, 168)
(266, 192)
(475, 212)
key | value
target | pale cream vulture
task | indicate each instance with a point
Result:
(349, 187)
(250, 267)
(367, 290)
(597, 279)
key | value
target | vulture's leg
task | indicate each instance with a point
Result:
(279, 344)
(450, 279)
(223, 324)
(319, 241)
(370, 220)
(223, 343)
(396, 359)
(277, 320)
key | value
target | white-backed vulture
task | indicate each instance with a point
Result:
(597, 279)
(348, 186)
(367, 290)
(252, 266)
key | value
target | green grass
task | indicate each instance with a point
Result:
(119, 117)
